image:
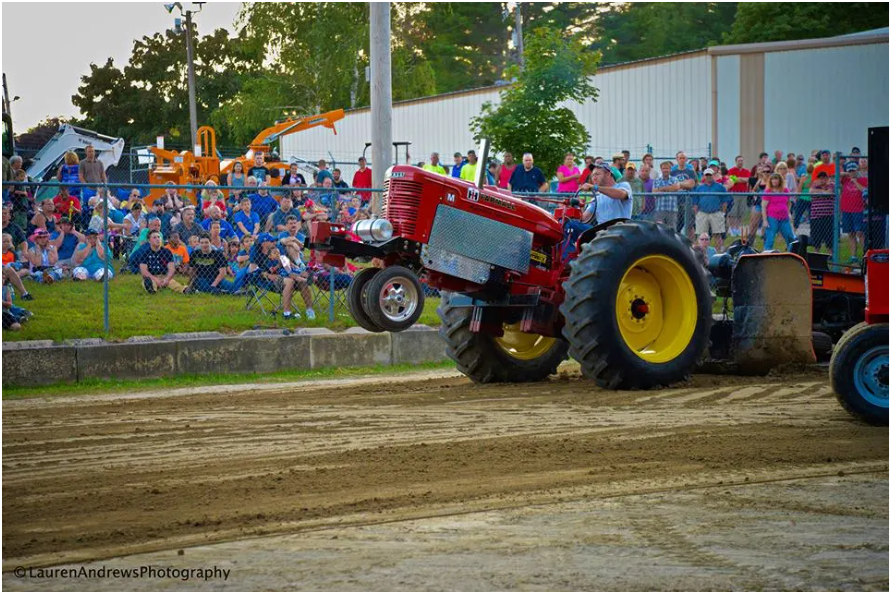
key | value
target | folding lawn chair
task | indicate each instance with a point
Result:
(259, 295)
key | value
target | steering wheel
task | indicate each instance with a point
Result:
(583, 206)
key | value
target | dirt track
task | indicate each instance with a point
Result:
(95, 477)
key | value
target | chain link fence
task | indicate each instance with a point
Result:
(246, 258)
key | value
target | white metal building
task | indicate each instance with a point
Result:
(800, 95)
(792, 96)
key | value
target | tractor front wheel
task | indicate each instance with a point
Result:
(393, 298)
(513, 357)
(637, 307)
(356, 299)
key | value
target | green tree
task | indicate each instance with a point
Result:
(33, 140)
(316, 55)
(529, 118)
(576, 18)
(313, 60)
(149, 95)
(257, 105)
(465, 43)
(413, 75)
(640, 30)
(104, 99)
(784, 21)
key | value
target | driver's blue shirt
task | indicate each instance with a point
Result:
(608, 208)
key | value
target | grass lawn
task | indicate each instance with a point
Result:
(106, 386)
(73, 310)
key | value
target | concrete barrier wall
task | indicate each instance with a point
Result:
(29, 363)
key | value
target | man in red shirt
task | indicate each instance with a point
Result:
(362, 178)
(66, 205)
(734, 216)
(853, 206)
(588, 166)
(825, 163)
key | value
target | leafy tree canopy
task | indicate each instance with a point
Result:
(639, 30)
(465, 43)
(314, 60)
(309, 57)
(529, 117)
(785, 21)
(149, 95)
(28, 143)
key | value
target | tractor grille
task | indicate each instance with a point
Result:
(401, 202)
(384, 197)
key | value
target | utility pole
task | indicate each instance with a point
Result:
(381, 98)
(190, 56)
(190, 59)
(6, 96)
(519, 45)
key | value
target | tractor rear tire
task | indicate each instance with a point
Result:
(822, 345)
(355, 295)
(484, 358)
(637, 307)
(858, 372)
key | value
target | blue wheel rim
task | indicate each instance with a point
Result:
(870, 376)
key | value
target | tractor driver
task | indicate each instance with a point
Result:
(611, 200)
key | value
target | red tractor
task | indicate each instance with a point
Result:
(859, 364)
(627, 299)
(860, 361)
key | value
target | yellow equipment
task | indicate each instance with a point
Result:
(184, 168)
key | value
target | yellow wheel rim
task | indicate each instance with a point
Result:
(656, 308)
(524, 346)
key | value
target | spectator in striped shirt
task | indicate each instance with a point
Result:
(822, 212)
(686, 175)
(666, 204)
(648, 184)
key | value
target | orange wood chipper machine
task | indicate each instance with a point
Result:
(196, 168)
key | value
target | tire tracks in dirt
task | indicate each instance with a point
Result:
(113, 475)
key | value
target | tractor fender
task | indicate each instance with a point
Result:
(772, 312)
(590, 234)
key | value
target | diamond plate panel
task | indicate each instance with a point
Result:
(454, 265)
(481, 238)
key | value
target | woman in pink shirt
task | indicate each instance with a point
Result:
(505, 171)
(775, 200)
(568, 175)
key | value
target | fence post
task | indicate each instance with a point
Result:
(836, 227)
(105, 275)
(332, 278)
(649, 149)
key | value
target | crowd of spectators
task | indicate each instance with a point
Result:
(784, 196)
(223, 241)
(218, 241)
(703, 197)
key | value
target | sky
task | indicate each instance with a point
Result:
(48, 46)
